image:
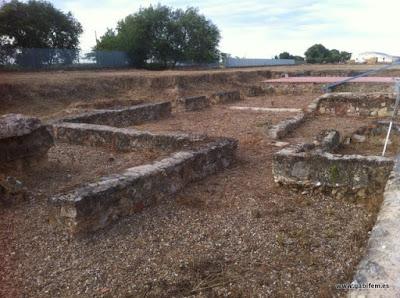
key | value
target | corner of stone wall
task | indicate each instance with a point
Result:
(381, 263)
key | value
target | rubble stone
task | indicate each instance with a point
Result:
(225, 97)
(195, 103)
(23, 138)
(124, 117)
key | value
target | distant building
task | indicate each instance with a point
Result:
(374, 57)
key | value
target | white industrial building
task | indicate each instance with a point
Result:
(374, 57)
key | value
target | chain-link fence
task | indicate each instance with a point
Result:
(36, 59)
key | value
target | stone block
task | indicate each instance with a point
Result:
(308, 165)
(120, 139)
(124, 117)
(23, 138)
(195, 103)
(360, 104)
(253, 91)
(225, 97)
(284, 127)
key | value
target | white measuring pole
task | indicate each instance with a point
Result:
(396, 107)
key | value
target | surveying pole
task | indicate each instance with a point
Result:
(395, 110)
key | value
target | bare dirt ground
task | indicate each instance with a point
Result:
(374, 146)
(234, 234)
(346, 126)
(69, 166)
(45, 93)
(55, 76)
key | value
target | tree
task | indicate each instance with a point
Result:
(286, 55)
(334, 56)
(345, 56)
(199, 37)
(319, 54)
(161, 35)
(38, 25)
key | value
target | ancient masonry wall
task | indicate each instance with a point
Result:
(297, 89)
(120, 139)
(194, 103)
(96, 205)
(354, 174)
(344, 103)
(225, 97)
(124, 117)
(381, 263)
(23, 139)
(357, 104)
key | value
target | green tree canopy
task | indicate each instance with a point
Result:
(286, 55)
(319, 54)
(161, 35)
(38, 25)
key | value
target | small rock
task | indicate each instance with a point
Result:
(14, 125)
(358, 138)
(23, 137)
(256, 213)
(12, 191)
(383, 112)
(346, 141)
(280, 144)
(362, 193)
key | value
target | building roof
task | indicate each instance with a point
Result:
(378, 54)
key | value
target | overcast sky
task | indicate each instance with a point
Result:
(263, 28)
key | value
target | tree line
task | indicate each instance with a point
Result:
(35, 34)
(318, 54)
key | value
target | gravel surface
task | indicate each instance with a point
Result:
(346, 125)
(69, 166)
(234, 234)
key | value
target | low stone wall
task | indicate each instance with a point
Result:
(124, 117)
(310, 166)
(284, 127)
(357, 104)
(291, 88)
(225, 97)
(381, 263)
(22, 138)
(97, 204)
(194, 103)
(121, 139)
(253, 91)
(345, 103)
(304, 88)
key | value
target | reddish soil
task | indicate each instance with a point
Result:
(69, 166)
(382, 80)
(46, 93)
(374, 146)
(56, 76)
(345, 125)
